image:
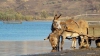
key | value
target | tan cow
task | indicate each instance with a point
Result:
(54, 39)
(80, 27)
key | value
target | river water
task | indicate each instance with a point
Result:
(26, 38)
(36, 30)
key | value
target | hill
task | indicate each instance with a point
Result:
(47, 8)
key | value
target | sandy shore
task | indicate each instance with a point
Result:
(38, 48)
(76, 52)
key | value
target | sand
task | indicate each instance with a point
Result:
(76, 52)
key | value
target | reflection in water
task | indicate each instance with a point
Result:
(25, 47)
(54, 50)
(15, 48)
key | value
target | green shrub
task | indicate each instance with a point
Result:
(12, 16)
(43, 14)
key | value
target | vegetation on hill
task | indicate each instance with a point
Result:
(14, 16)
(44, 9)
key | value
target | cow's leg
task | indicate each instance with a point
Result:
(87, 42)
(62, 42)
(82, 41)
(75, 45)
(58, 43)
(75, 42)
(72, 42)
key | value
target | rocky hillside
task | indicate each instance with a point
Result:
(50, 7)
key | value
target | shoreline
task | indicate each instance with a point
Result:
(25, 47)
(76, 52)
(30, 48)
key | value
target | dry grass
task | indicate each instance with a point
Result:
(35, 7)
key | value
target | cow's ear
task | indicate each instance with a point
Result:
(59, 16)
(55, 16)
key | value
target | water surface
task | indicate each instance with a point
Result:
(26, 38)
(36, 30)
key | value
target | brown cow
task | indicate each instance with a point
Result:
(80, 27)
(54, 39)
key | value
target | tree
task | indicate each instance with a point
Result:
(43, 14)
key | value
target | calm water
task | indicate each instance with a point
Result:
(26, 38)
(26, 31)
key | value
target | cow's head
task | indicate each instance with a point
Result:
(56, 22)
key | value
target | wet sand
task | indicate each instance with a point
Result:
(30, 48)
(76, 52)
